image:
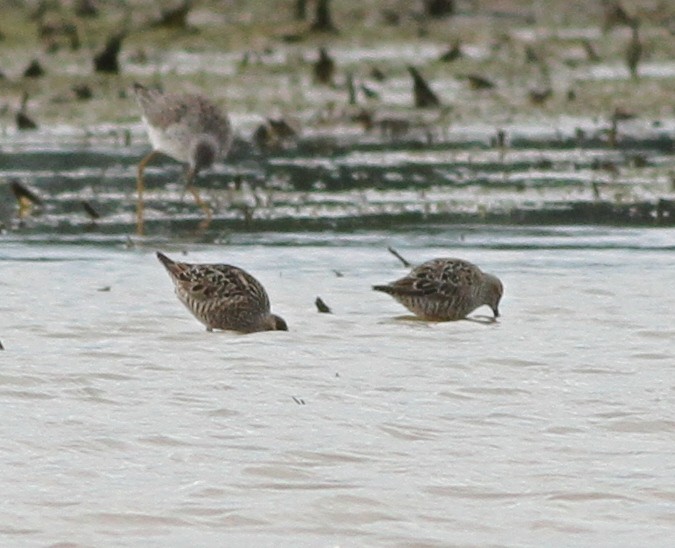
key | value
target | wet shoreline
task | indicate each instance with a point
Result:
(598, 149)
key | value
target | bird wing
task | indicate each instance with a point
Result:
(192, 110)
(442, 278)
(457, 278)
(163, 110)
(222, 282)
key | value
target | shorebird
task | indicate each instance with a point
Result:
(188, 128)
(223, 296)
(445, 289)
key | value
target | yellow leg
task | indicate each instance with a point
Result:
(25, 207)
(140, 186)
(198, 200)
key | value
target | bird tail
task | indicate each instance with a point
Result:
(400, 290)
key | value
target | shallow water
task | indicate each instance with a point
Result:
(544, 176)
(125, 422)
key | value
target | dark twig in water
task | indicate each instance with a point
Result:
(34, 70)
(106, 60)
(300, 10)
(323, 20)
(615, 15)
(23, 121)
(476, 82)
(453, 53)
(369, 93)
(82, 92)
(424, 95)
(351, 90)
(634, 49)
(596, 190)
(540, 96)
(439, 8)
(25, 196)
(591, 53)
(322, 306)
(398, 256)
(377, 74)
(1, 347)
(175, 18)
(93, 214)
(86, 8)
(299, 401)
(324, 68)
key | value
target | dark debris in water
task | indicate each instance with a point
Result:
(322, 306)
(23, 194)
(106, 60)
(396, 254)
(91, 212)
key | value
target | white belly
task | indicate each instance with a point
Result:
(169, 142)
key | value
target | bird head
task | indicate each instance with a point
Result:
(275, 323)
(492, 293)
(202, 155)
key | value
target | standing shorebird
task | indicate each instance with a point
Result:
(445, 289)
(223, 296)
(187, 127)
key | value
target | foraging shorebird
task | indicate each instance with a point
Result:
(445, 289)
(223, 296)
(188, 128)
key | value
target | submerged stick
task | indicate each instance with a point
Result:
(398, 256)
(90, 210)
(322, 306)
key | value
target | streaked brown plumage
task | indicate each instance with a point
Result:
(223, 296)
(445, 289)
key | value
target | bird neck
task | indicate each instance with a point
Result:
(203, 153)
